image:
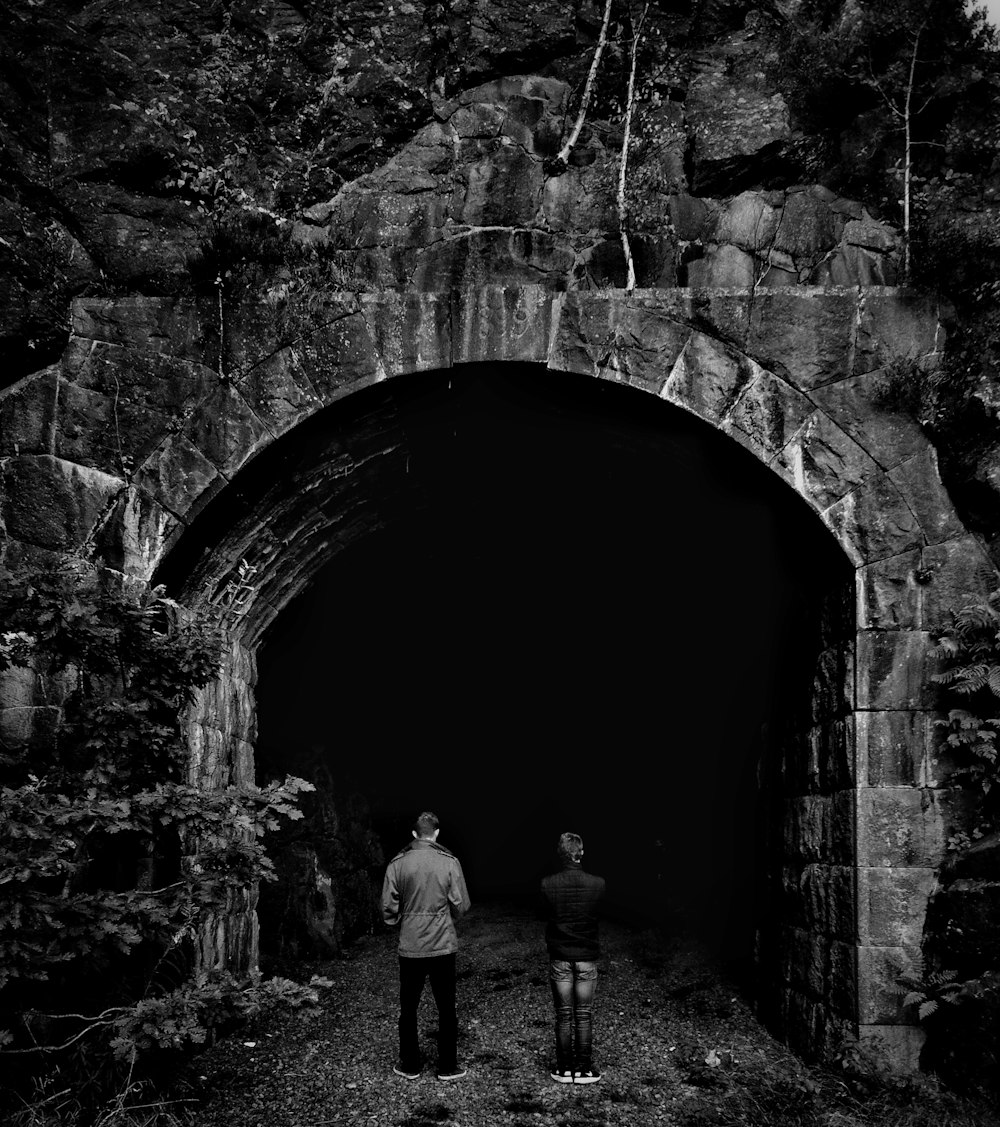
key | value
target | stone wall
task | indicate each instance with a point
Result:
(791, 374)
(807, 942)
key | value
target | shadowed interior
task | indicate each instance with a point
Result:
(586, 612)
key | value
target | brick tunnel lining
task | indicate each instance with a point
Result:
(673, 575)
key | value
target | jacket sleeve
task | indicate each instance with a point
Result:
(458, 895)
(390, 897)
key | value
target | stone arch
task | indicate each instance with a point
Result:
(158, 407)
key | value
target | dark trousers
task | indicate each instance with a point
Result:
(573, 986)
(412, 974)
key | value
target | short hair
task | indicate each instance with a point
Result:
(425, 824)
(570, 847)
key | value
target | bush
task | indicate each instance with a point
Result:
(111, 862)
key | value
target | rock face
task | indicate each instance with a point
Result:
(389, 206)
(171, 149)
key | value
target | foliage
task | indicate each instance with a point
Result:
(846, 72)
(970, 653)
(111, 861)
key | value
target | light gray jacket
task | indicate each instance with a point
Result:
(424, 891)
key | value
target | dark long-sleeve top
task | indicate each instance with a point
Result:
(572, 900)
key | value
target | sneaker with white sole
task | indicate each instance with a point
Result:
(406, 1073)
(589, 1075)
(452, 1074)
(562, 1075)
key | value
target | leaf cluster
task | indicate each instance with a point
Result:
(110, 859)
(970, 654)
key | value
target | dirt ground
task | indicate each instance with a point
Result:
(675, 1041)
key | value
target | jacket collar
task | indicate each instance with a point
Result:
(423, 843)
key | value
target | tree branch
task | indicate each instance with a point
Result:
(623, 167)
(602, 41)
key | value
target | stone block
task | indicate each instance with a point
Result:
(893, 748)
(722, 313)
(376, 210)
(179, 478)
(635, 342)
(893, 670)
(736, 125)
(340, 357)
(411, 331)
(902, 827)
(688, 216)
(892, 905)
(894, 325)
(147, 531)
(147, 380)
(804, 1020)
(27, 726)
(278, 391)
(805, 961)
(161, 325)
(890, 437)
(807, 229)
(804, 335)
(501, 186)
(766, 414)
(795, 905)
(879, 968)
(832, 685)
(958, 573)
(96, 429)
(919, 482)
(888, 594)
(502, 323)
(707, 377)
(842, 828)
(855, 266)
(822, 462)
(516, 255)
(831, 755)
(579, 200)
(255, 330)
(841, 993)
(53, 503)
(723, 267)
(19, 688)
(19, 555)
(896, 1048)
(873, 522)
(225, 429)
(807, 828)
(841, 903)
(749, 222)
(27, 414)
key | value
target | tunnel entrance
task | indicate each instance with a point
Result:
(580, 610)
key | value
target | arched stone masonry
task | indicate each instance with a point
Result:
(158, 405)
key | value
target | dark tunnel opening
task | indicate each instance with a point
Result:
(588, 618)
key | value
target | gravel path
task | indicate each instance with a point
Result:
(667, 1030)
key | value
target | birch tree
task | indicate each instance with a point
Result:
(630, 100)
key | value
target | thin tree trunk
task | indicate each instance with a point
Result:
(602, 42)
(623, 166)
(907, 155)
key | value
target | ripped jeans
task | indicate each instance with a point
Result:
(573, 986)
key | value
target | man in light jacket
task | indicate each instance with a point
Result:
(424, 892)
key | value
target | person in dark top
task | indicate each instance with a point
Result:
(572, 898)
